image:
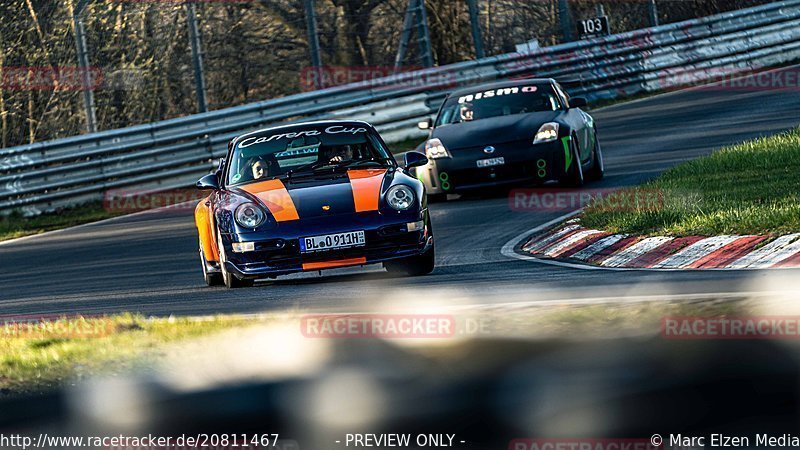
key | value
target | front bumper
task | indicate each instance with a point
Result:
(278, 251)
(525, 163)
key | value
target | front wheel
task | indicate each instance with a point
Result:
(413, 265)
(230, 280)
(598, 168)
(211, 278)
(437, 198)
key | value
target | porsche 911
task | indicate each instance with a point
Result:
(308, 197)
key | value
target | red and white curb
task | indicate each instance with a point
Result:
(569, 242)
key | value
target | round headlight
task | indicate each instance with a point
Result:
(400, 197)
(249, 215)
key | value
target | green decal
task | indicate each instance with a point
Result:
(542, 173)
(541, 164)
(567, 154)
(236, 177)
(443, 177)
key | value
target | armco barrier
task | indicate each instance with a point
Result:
(173, 153)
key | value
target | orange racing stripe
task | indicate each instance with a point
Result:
(335, 263)
(275, 197)
(366, 185)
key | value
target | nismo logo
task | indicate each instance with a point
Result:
(496, 93)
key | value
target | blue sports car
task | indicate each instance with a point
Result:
(308, 197)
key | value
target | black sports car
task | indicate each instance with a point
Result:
(510, 132)
(308, 197)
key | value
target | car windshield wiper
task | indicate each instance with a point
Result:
(307, 169)
(315, 167)
(359, 162)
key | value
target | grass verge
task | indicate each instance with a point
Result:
(16, 225)
(750, 188)
(406, 145)
(37, 355)
(38, 358)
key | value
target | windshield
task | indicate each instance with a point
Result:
(498, 102)
(306, 150)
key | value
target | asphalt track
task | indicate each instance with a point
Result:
(148, 263)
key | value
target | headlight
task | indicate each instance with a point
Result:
(249, 215)
(400, 197)
(434, 149)
(547, 133)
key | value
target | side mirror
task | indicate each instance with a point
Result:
(426, 124)
(414, 159)
(577, 102)
(220, 169)
(209, 181)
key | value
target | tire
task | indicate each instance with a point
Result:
(598, 167)
(211, 279)
(230, 280)
(574, 176)
(437, 198)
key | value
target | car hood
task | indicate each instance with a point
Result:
(313, 197)
(494, 130)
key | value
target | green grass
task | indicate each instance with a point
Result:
(405, 146)
(68, 350)
(15, 225)
(750, 188)
(36, 358)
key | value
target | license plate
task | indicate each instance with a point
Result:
(332, 241)
(491, 162)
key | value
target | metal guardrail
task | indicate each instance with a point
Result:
(173, 153)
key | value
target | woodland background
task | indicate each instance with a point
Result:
(253, 49)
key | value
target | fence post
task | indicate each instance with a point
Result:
(424, 35)
(652, 12)
(197, 57)
(564, 20)
(405, 36)
(83, 65)
(313, 42)
(476, 28)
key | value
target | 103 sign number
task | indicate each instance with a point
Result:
(597, 26)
